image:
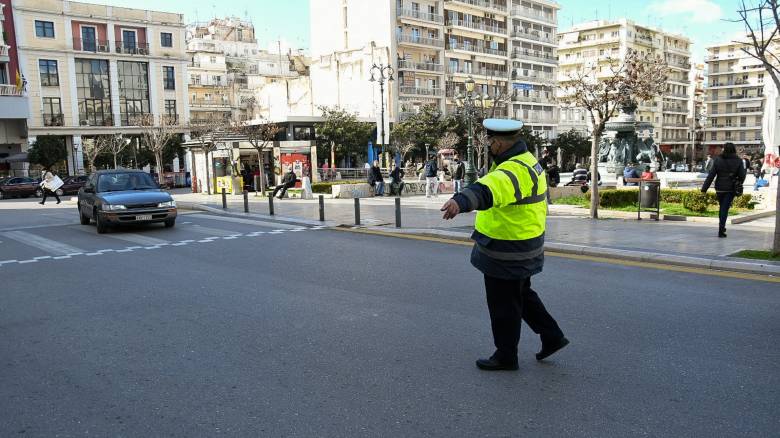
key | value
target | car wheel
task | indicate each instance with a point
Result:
(59, 192)
(102, 226)
(169, 223)
(38, 193)
(83, 218)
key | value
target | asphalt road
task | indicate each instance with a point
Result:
(225, 328)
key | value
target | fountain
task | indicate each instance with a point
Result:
(621, 144)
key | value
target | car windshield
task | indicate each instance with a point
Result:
(117, 182)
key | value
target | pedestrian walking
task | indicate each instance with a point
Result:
(48, 189)
(288, 181)
(509, 243)
(708, 164)
(431, 171)
(729, 173)
(376, 180)
(458, 174)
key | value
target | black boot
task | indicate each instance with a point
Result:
(722, 233)
(550, 348)
(494, 364)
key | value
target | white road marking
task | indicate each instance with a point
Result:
(239, 220)
(211, 231)
(50, 246)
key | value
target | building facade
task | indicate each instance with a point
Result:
(597, 43)
(735, 99)
(92, 69)
(14, 108)
(506, 46)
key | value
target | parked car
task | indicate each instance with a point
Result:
(117, 197)
(19, 186)
(72, 184)
(681, 167)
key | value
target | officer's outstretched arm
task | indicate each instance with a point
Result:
(476, 196)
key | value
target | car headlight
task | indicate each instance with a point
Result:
(113, 207)
(167, 204)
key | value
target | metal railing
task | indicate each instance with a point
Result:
(93, 120)
(685, 65)
(421, 91)
(405, 64)
(534, 74)
(132, 48)
(475, 48)
(477, 71)
(420, 15)
(487, 4)
(209, 102)
(10, 90)
(53, 120)
(532, 35)
(524, 53)
(425, 41)
(538, 98)
(96, 46)
(4, 49)
(523, 11)
(479, 26)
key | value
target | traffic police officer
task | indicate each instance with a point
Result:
(509, 243)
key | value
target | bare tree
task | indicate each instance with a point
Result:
(449, 140)
(762, 25)
(92, 147)
(116, 144)
(260, 134)
(207, 133)
(156, 132)
(636, 78)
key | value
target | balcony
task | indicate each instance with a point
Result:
(420, 15)
(744, 126)
(4, 52)
(493, 73)
(422, 41)
(734, 97)
(474, 48)
(738, 112)
(421, 91)
(675, 109)
(675, 125)
(211, 103)
(537, 117)
(680, 95)
(733, 83)
(643, 39)
(525, 54)
(536, 14)
(10, 90)
(132, 48)
(484, 27)
(534, 35)
(484, 4)
(679, 64)
(53, 120)
(533, 98)
(13, 103)
(405, 64)
(94, 119)
(94, 46)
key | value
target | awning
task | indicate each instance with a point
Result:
(16, 158)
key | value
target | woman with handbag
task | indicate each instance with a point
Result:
(729, 173)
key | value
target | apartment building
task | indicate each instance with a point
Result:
(92, 69)
(596, 43)
(14, 108)
(506, 46)
(735, 99)
(228, 69)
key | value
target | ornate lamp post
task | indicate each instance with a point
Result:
(469, 103)
(384, 73)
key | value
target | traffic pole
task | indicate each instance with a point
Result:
(322, 208)
(357, 211)
(224, 199)
(246, 201)
(271, 205)
(398, 212)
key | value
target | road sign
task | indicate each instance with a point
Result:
(522, 86)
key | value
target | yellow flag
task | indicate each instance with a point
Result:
(18, 81)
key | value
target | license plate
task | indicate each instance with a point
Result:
(145, 217)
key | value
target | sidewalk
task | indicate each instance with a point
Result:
(568, 230)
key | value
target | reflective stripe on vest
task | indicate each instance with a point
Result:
(519, 210)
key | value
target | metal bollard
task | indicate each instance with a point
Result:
(357, 211)
(271, 205)
(246, 201)
(398, 212)
(224, 199)
(322, 208)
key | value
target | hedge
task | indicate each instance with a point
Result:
(627, 198)
(696, 201)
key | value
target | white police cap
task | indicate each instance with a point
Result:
(502, 126)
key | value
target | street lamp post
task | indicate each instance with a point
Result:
(384, 73)
(470, 102)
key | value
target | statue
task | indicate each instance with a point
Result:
(621, 144)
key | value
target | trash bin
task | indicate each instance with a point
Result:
(649, 194)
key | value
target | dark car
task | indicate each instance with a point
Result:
(72, 184)
(18, 186)
(115, 197)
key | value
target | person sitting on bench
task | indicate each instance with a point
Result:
(288, 181)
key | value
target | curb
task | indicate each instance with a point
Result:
(753, 216)
(281, 219)
(620, 254)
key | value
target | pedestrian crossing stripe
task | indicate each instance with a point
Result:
(109, 251)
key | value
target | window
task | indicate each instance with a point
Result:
(169, 78)
(94, 92)
(48, 69)
(52, 111)
(44, 29)
(303, 133)
(170, 111)
(133, 90)
(166, 39)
